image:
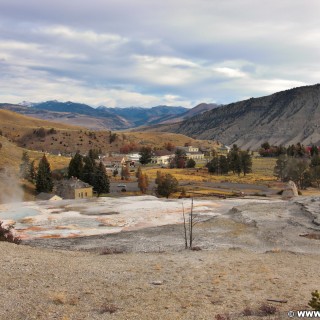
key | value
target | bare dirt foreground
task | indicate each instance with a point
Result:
(252, 253)
(49, 284)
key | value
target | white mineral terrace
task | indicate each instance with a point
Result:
(77, 218)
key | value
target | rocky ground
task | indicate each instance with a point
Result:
(253, 253)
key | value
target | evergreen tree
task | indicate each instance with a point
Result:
(234, 160)
(25, 166)
(213, 165)
(279, 169)
(88, 172)
(75, 168)
(145, 155)
(315, 175)
(314, 150)
(191, 163)
(180, 158)
(218, 165)
(115, 172)
(245, 162)
(93, 154)
(33, 172)
(101, 180)
(44, 182)
(315, 161)
(224, 164)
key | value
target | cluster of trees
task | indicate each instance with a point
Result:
(267, 150)
(237, 161)
(41, 177)
(295, 150)
(87, 170)
(27, 168)
(84, 168)
(302, 171)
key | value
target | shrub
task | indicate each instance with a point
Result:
(52, 131)
(41, 132)
(7, 235)
(107, 307)
(191, 163)
(315, 300)
(267, 309)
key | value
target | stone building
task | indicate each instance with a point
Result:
(73, 188)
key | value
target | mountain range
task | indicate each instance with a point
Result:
(285, 117)
(102, 117)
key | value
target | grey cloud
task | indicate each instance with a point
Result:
(195, 49)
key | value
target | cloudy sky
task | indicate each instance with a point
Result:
(146, 53)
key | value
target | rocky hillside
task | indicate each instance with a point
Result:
(285, 117)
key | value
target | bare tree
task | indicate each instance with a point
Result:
(189, 226)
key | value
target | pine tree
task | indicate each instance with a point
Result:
(75, 168)
(101, 180)
(190, 163)
(44, 182)
(88, 171)
(180, 159)
(145, 155)
(33, 172)
(245, 162)
(279, 169)
(25, 166)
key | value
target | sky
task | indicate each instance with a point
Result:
(121, 53)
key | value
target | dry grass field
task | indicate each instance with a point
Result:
(262, 173)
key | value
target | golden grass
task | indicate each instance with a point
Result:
(56, 162)
(9, 118)
(158, 139)
(262, 173)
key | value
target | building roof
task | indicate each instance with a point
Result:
(160, 153)
(75, 183)
(46, 196)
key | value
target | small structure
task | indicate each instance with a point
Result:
(192, 153)
(73, 188)
(132, 159)
(47, 196)
(224, 149)
(162, 157)
(115, 162)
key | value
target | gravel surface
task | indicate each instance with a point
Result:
(41, 283)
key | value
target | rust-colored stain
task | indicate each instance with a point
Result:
(35, 228)
(51, 236)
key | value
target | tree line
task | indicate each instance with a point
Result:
(84, 168)
(297, 150)
(237, 161)
(302, 171)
